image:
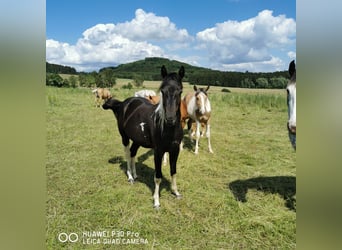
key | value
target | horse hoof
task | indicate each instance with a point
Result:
(156, 207)
(131, 181)
(178, 196)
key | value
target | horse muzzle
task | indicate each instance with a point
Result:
(170, 122)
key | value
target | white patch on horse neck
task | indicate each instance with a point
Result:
(160, 111)
(207, 105)
(142, 126)
(191, 107)
(292, 105)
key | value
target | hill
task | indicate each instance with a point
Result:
(149, 68)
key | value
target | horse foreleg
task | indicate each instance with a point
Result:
(208, 136)
(173, 170)
(198, 134)
(157, 179)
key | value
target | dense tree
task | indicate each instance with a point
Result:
(59, 69)
(149, 69)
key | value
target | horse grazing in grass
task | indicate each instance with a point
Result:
(291, 104)
(199, 110)
(152, 126)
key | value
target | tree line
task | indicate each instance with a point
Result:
(149, 69)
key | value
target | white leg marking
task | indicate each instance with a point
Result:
(208, 136)
(134, 171)
(181, 146)
(174, 186)
(198, 126)
(129, 164)
(157, 182)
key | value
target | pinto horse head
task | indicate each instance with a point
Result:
(202, 103)
(291, 104)
(170, 97)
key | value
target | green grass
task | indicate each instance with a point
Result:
(87, 189)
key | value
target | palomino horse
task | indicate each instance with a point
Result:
(101, 94)
(199, 110)
(152, 126)
(291, 104)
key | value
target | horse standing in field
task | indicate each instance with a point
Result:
(144, 93)
(291, 104)
(101, 94)
(199, 110)
(152, 126)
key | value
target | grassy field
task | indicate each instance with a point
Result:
(240, 197)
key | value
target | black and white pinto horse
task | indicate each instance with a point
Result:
(291, 104)
(152, 126)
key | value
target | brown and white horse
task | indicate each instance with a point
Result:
(291, 104)
(199, 110)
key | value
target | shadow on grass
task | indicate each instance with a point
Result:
(188, 143)
(144, 172)
(283, 185)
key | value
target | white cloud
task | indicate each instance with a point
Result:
(148, 26)
(249, 41)
(276, 64)
(262, 43)
(291, 55)
(110, 44)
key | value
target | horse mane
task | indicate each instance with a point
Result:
(170, 79)
(292, 72)
(160, 112)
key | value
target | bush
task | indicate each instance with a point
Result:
(53, 79)
(225, 90)
(127, 86)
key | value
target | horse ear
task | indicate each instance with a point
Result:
(181, 72)
(207, 88)
(163, 71)
(195, 88)
(292, 68)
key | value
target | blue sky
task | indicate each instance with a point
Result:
(234, 35)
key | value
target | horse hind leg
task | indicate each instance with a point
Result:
(165, 159)
(129, 164)
(156, 202)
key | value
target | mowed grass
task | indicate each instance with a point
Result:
(240, 197)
